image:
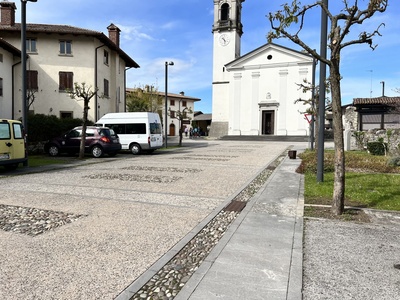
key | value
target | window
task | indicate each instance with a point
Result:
(1, 86)
(105, 59)
(66, 81)
(32, 80)
(31, 45)
(172, 114)
(172, 102)
(5, 132)
(17, 131)
(138, 128)
(65, 48)
(65, 115)
(106, 88)
(184, 104)
(225, 12)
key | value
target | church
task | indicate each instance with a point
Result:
(255, 94)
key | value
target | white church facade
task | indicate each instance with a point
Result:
(255, 94)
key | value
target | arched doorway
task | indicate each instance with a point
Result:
(171, 129)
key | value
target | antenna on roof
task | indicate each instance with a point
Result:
(370, 90)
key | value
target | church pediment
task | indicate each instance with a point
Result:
(269, 56)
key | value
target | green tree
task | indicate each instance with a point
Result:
(146, 99)
(350, 16)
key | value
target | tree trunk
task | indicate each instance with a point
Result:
(339, 173)
(83, 139)
(180, 133)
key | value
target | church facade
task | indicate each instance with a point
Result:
(255, 94)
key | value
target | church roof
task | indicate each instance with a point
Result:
(267, 51)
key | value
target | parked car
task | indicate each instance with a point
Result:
(12, 144)
(99, 141)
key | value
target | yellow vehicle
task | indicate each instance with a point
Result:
(12, 144)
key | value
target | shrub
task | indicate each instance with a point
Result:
(377, 148)
(394, 161)
(43, 127)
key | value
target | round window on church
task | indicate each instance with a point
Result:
(269, 57)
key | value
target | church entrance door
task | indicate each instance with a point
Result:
(268, 120)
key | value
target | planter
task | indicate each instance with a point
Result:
(292, 154)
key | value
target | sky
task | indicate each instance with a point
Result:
(156, 31)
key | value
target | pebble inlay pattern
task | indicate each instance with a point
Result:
(32, 221)
(135, 177)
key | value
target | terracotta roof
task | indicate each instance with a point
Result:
(203, 117)
(10, 48)
(66, 29)
(377, 100)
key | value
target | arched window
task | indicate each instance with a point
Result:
(225, 12)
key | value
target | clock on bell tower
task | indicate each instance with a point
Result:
(227, 31)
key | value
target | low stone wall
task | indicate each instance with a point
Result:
(390, 136)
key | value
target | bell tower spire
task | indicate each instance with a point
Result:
(227, 30)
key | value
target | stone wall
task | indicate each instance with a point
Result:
(350, 121)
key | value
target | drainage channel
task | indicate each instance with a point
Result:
(171, 278)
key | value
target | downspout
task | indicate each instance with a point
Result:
(126, 69)
(95, 83)
(12, 90)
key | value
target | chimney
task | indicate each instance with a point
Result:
(182, 93)
(7, 13)
(113, 34)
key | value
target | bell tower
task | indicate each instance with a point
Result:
(227, 31)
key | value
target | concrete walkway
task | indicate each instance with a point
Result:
(260, 256)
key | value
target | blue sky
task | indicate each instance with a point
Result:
(156, 31)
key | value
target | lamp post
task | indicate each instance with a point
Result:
(321, 101)
(24, 108)
(171, 63)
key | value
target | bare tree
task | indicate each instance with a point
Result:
(352, 14)
(181, 115)
(81, 91)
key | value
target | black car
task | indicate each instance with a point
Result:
(99, 141)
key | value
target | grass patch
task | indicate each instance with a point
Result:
(42, 160)
(370, 182)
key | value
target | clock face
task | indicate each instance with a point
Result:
(224, 39)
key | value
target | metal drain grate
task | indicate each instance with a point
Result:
(236, 206)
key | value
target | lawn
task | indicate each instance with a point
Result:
(370, 182)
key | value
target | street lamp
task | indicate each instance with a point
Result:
(171, 63)
(24, 108)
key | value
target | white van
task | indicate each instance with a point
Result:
(12, 144)
(137, 131)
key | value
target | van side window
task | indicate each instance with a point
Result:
(5, 131)
(17, 131)
(118, 128)
(136, 128)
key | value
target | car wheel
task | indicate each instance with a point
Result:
(97, 151)
(135, 149)
(53, 150)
